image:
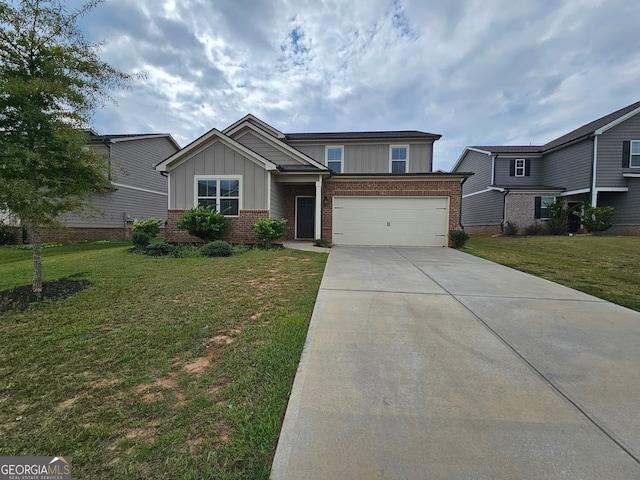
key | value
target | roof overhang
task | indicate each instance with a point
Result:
(617, 121)
(234, 127)
(399, 177)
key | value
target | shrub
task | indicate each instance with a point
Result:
(161, 249)
(558, 217)
(7, 235)
(269, 229)
(189, 251)
(510, 229)
(239, 249)
(204, 223)
(217, 248)
(597, 219)
(321, 242)
(140, 240)
(150, 226)
(537, 228)
(458, 238)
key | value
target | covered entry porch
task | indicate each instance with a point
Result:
(299, 200)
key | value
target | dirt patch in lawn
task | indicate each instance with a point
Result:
(20, 298)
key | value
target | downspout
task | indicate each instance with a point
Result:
(504, 210)
(594, 166)
(460, 216)
(107, 143)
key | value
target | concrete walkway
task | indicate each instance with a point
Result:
(428, 363)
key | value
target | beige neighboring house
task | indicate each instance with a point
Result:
(136, 191)
(351, 188)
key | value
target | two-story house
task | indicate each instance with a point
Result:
(598, 163)
(135, 190)
(351, 188)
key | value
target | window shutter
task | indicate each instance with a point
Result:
(527, 168)
(538, 207)
(512, 168)
(626, 153)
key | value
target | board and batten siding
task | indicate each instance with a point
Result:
(317, 152)
(480, 165)
(277, 199)
(610, 168)
(219, 159)
(486, 208)
(256, 144)
(570, 167)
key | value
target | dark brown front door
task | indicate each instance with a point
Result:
(305, 217)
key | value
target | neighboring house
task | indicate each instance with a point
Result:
(598, 163)
(136, 191)
(366, 188)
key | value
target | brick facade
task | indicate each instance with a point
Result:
(520, 209)
(291, 192)
(391, 188)
(483, 229)
(239, 230)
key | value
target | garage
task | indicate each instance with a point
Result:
(402, 221)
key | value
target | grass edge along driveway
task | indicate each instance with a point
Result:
(606, 267)
(163, 368)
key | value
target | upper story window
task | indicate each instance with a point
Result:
(520, 167)
(399, 158)
(634, 159)
(221, 193)
(334, 158)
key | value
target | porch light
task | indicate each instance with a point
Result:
(325, 201)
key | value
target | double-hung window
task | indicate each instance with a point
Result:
(520, 167)
(221, 193)
(542, 206)
(334, 158)
(399, 158)
(634, 159)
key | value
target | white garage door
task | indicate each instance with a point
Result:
(403, 221)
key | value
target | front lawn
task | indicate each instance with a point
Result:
(606, 267)
(163, 368)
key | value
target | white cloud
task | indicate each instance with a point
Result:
(476, 71)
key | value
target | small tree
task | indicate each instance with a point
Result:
(558, 217)
(270, 229)
(204, 223)
(597, 219)
(51, 80)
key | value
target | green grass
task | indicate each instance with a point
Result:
(164, 368)
(606, 267)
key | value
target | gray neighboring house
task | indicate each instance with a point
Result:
(597, 163)
(351, 188)
(136, 191)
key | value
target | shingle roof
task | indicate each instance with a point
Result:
(100, 138)
(510, 148)
(362, 135)
(590, 127)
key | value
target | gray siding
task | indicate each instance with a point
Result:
(480, 165)
(483, 209)
(373, 157)
(269, 152)
(503, 170)
(610, 153)
(218, 159)
(570, 167)
(277, 199)
(133, 162)
(114, 207)
(627, 204)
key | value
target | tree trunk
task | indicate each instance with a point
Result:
(36, 243)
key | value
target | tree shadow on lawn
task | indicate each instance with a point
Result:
(20, 298)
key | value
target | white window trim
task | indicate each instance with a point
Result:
(218, 177)
(391, 147)
(326, 156)
(631, 154)
(524, 167)
(542, 197)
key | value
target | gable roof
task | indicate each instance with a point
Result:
(203, 142)
(249, 118)
(385, 135)
(94, 137)
(602, 123)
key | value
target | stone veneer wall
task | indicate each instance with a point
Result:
(391, 188)
(239, 230)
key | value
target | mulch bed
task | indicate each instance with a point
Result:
(19, 298)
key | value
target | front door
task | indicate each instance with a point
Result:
(305, 217)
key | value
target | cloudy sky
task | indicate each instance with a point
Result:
(475, 71)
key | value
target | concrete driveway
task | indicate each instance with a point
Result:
(428, 363)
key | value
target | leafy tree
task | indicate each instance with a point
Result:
(597, 219)
(51, 80)
(204, 223)
(558, 217)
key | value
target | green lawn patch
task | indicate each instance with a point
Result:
(603, 266)
(162, 367)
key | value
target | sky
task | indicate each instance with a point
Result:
(478, 72)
